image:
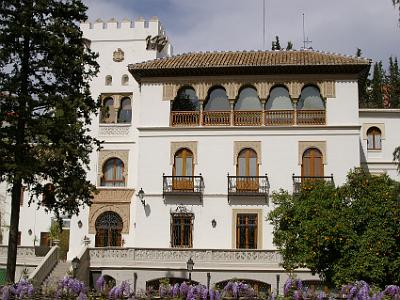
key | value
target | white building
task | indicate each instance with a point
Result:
(207, 137)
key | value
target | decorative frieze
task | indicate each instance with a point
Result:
(132, 256)
(115, 200)
(113, 130)
(232, 87)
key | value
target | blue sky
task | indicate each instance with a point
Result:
(216, 25)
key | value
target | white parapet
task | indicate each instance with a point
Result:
(123, 30)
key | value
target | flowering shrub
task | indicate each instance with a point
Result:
(20, 290)
(69, 288)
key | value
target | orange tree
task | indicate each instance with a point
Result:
(342, 233)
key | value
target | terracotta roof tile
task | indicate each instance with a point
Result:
(246, 60)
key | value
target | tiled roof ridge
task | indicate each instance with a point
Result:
(238, 52)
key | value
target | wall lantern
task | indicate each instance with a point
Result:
(80, 224)
(213, 223)
(75, 265)
(189, 267)
(140, 194)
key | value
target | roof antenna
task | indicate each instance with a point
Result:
(263, 24)
(306, 41)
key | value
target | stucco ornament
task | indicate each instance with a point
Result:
(118, 55)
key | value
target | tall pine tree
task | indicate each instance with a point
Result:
(393, 82)
(375, 89)
(45, 107)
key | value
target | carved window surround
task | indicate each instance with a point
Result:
(104, 155)
(320, 145)
(327, 87)
(115, 200)
(366, 126)
(175, 146)
(240, 145)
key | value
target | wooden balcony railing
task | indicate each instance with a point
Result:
(185, 118)
(279, 117)
(311, 117)
(299, 181)
(248, 186)
(183, 185)
(248, 118)
(216, 118)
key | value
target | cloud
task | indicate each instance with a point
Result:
(208, 25)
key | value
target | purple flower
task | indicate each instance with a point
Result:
(5, 291)
(297, 295)
(184, 289)
(287, 286)
(217, 295)
(189, 295)
(235, 290)
(211, 293)
(392, 290)
(100, 283)
(175, 290)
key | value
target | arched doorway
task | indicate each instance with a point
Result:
(183, 170)
(108, 230)
(247, 170)
(312, 163)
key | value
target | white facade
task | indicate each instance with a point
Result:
(148, 144)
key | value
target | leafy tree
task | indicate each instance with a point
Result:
(276, 44)
(289, 45)
(344, 234)
(45, 107)
(358, 52)
(396, 157)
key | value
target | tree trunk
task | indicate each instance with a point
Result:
(19, 154)
(13, 233)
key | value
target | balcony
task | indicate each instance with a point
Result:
(299, 181)
(248, 118)
(248, 186)
(183, 185)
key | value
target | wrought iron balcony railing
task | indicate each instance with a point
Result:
(299, 181)
(183, 185)
(248, 186)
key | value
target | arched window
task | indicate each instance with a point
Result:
(183, 170)
(125, 79)
(108, 80)
(217, 100)
(248, 100)
(107, 113)
(279, 107)
(279, 99)
(310, 99)
(186, 100)
(247, 170)
(312, 163)
(113, 170)
(125, 112)
(374, 141)
(108, 230)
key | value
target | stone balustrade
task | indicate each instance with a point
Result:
(25, 255)
(177, 258)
